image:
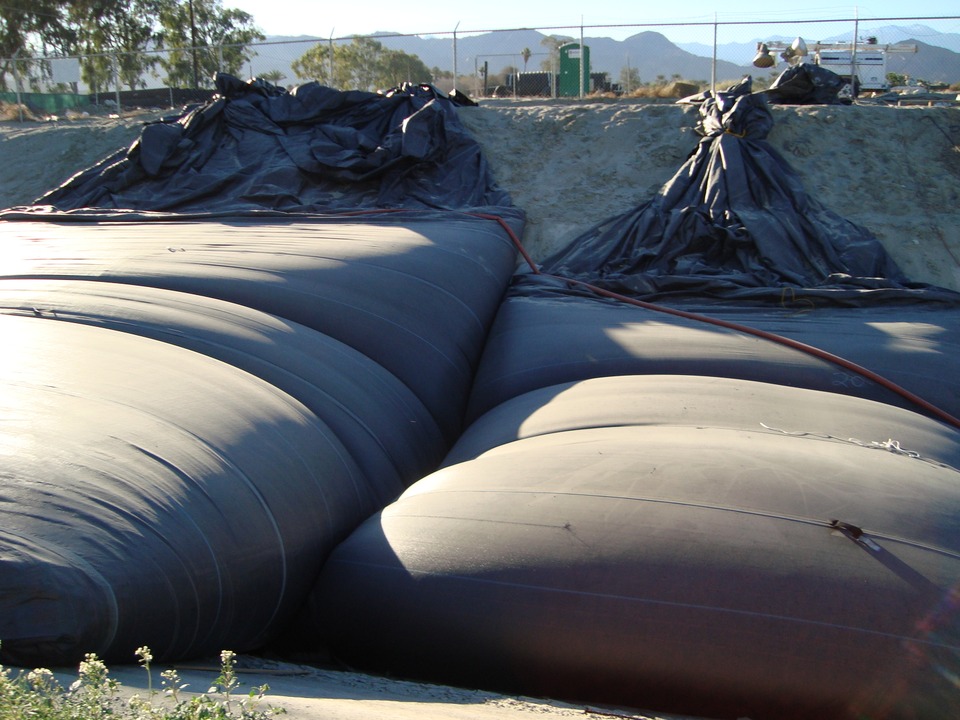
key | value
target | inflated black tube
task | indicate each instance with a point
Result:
(693, 401)
(542, 341)
(150, 495)
(386, 429)
(414, 294)
(696, 569)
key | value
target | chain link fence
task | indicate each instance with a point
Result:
(634, 60)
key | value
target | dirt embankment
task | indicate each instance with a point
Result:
(894, 170)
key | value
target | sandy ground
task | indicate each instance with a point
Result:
(569, 166)
(309, 693)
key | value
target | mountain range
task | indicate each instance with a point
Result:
(649, 53)
(885, 35)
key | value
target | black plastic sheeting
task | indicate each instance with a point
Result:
(736, 222)
(313, 149)
(807, 84)
(639, 514)
(211, 377)
(662, 400)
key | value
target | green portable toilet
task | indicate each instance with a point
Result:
(570, 69)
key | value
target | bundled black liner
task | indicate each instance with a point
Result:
(313, 149)
(807, 84)
(736, 222)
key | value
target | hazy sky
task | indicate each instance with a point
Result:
(360, 17)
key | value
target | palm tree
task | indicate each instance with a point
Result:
(525, 54)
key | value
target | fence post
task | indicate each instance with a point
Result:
(555, 81)
(713, 64)
(331, 58)
(583, 60)
(16, 80)
(455, 56)
(116, 79)
(193, 47)
(853, 52)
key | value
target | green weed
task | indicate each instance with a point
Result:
(38, 695)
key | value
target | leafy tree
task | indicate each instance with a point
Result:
(92, 28)
(553, 43)
(363, 64)
(213, 41)
(118, 31)
(97, 71)
(629, 78)
(896, 79)
(273, 76)
(28, 26)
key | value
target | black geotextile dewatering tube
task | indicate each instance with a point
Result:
(763, 334)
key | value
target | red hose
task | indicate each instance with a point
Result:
(773, 337)
(513, 237)
(746, 329)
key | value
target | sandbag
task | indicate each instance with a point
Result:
(211, 380)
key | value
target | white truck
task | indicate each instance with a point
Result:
(867, 60)
(869, 63)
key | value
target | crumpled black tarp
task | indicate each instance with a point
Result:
(735, 222)
(808, 84)
(256, 147)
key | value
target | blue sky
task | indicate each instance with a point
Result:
(359, 17)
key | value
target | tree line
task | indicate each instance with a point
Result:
(188, 41)
(184, 43)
